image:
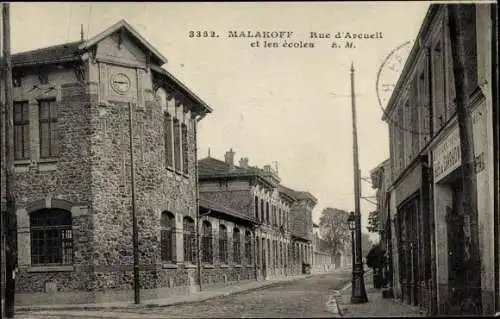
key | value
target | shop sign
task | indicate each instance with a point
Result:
(447, 156)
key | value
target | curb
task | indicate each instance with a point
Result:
(153, 305)
(338, 293)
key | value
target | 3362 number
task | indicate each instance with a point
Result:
(203, 34)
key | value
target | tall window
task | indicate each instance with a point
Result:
(167, 236)
(256, 204)
(177, 145)
(275, 214)
(189, 240)
(21, 130)
(439, 93)
(206, 242)
(248, 247)
(415, 127)
(268, 221)
(277, 253)
(48, 128)
(51, 237)
(400, 139)
(223, 244)
(169, 156)
(236, 246)
(423, 102)
(185, 156)
(262, 211)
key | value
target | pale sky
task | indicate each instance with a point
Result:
(289, 105)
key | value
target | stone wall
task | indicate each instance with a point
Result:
(157, 189)
(64, 183)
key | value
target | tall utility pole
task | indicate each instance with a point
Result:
(10, 253)
(457, 27)
(135, 240)
(9, 221)
(358, 283)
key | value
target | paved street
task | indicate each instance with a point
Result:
(301, 298)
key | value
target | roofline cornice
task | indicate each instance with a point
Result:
(413, 56)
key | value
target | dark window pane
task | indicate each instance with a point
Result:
(53, 139)
(18, 142)
(168, 141)
(185, 155)
(177, 146)
(26, 141)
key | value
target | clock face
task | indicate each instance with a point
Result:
(389, 72)
(120, 83)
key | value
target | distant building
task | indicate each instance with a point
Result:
(301, 225)
(252, 192)
(381, 181)
(282, 217)
(323, 261)
(73, 171)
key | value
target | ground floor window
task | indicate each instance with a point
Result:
(206, 243)
(51, 237)
(189, 240)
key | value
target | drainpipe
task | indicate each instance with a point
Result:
(197, 207)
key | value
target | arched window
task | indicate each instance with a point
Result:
(189, 240)
(51, 237)
(223, 244)
(248, 247)
(167, 236)
(236, 246)
(206, 242)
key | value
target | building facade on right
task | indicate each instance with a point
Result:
(428, 228)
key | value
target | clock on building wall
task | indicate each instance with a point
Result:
(120, 83)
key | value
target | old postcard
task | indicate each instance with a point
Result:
(249, 159)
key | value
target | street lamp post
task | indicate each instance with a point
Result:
(358, 284)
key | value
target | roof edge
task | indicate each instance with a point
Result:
(115, 27)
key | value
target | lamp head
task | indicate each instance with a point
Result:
(351, 220)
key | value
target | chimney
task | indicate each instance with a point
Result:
(267, 168)
(229, 157)
(244, 162)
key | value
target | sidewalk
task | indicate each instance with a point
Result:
(376, 305)
(176, 300)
